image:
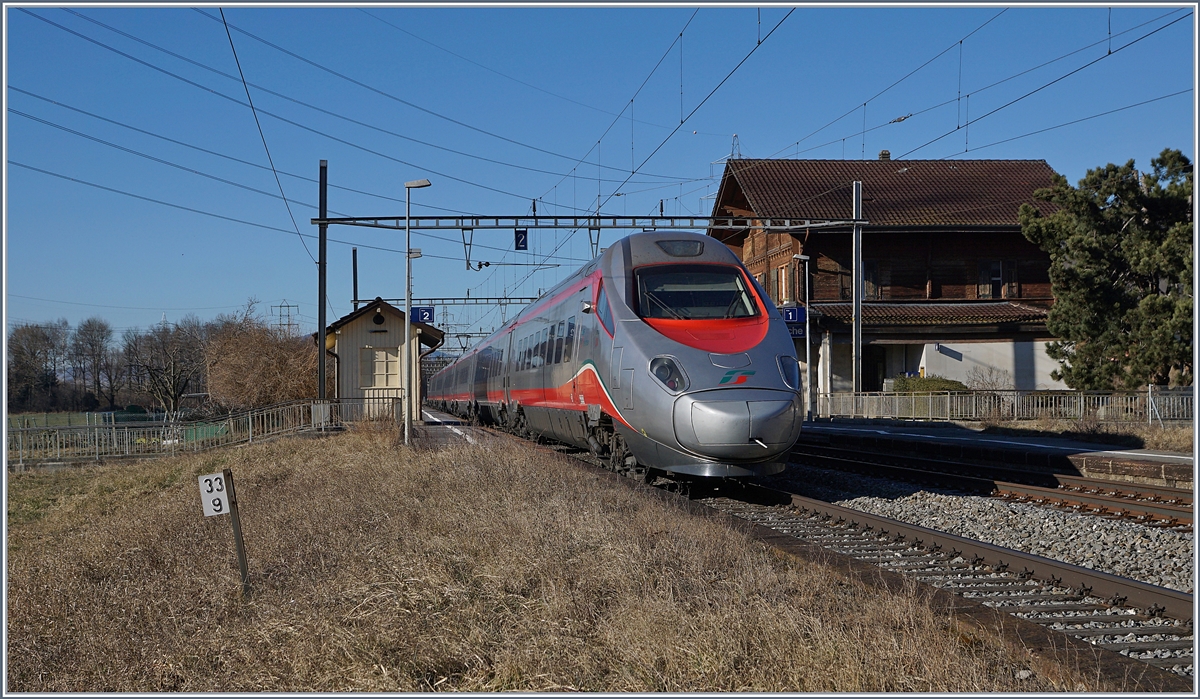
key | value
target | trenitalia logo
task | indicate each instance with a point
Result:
(736, 376)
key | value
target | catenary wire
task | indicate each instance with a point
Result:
(222, 155)
(1043, 86)
(280, 118)
(509, 77)
(676, 130)
(394, 98)
(263, 136)
(319, 109)
(228, 182)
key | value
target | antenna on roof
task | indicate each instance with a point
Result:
(735, 150)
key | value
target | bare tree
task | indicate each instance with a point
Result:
(249, 363)
(168, 357)
(91, 344)
(36, 361)
(113, 376)
(988, 378)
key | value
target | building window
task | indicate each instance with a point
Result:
(998, 279)
(785, 290)
(871, 290)
(379, 367)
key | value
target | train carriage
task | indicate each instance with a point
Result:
(661, 355)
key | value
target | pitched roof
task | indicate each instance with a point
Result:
(972, 313)
(429, 335)
(895, 192)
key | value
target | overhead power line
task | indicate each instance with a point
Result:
(673, 132)
(1073, 121)
(388, 95)
(298, 125)
(125, 308)
(1043, 87)
(263, 136)
(509, 77)
(207, 151)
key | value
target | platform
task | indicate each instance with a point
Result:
(1044, 454)
(438, 429)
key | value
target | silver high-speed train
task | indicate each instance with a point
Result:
(662, 354)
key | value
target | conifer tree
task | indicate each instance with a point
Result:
(1120, 249)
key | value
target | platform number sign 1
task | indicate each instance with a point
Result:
(521, 239)
(218, 497)
(213, 494)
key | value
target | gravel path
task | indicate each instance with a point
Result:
(1157, 556)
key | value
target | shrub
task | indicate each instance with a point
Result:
(927, 384)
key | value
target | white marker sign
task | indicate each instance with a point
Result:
(213, 494)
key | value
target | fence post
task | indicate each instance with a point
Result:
(1149, 403)
(250, 425)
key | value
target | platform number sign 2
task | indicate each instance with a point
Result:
(521, 239)
(214, 495)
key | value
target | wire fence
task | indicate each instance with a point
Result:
(1155, 405)
(35, 445)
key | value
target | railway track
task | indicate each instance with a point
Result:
(1156, 506)
(1123, 620)
(1140, 621)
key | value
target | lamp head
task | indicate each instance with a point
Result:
(416, 184)
(802, 258)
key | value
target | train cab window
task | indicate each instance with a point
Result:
(569, 343)
(687, 292)
(558, 342)
(603, 312)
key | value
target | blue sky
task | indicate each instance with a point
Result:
(529, 98)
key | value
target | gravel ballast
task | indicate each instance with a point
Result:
(1157, 556)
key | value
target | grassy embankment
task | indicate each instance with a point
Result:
(376, 567)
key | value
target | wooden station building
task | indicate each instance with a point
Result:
(951, 286)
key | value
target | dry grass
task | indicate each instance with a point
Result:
(488, 568)
(1169, 437)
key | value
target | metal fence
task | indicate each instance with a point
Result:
(1154, 405)
(33, 445)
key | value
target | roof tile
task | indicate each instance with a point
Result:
(975, 313)
(895, 192)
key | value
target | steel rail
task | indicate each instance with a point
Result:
(1153, 598)
(1120, 504)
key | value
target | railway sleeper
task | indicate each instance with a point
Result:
(1126, 630)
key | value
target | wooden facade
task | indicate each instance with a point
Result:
(944, 260)
(366, 347)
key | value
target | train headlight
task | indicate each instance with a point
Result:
(669, 374)
(789, 367)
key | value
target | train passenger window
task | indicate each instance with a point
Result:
(550, 345)
(686, 292)
(527, 352)
(519, 358)
(570, 341)
(541, 348)
(558, 343)
(603, 312)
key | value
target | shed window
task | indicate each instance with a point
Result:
(379, 367)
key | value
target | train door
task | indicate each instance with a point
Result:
(507, 366)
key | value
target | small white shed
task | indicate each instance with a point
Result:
(366, 348)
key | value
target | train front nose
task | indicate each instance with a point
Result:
(739, 424)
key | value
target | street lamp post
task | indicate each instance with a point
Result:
(408, 371)
(807, 345)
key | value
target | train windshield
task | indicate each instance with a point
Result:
(692, 292)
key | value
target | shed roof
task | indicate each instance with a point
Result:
(895, 192)
(430, 335)
(928, 314)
